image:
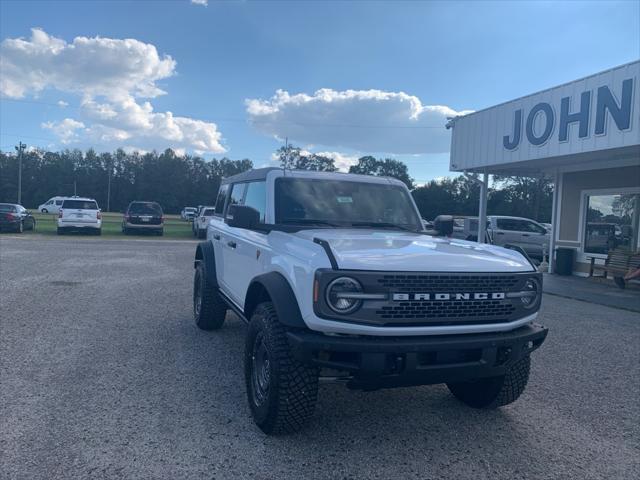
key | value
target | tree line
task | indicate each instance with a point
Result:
(115, 179)
(174, 181)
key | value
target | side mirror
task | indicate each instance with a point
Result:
(243, 216)
(443, 225)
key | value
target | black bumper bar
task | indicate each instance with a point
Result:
(378, 362)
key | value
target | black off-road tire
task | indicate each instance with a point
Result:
(494, 392)
(209, 310)
(290, 397)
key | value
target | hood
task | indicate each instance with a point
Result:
(359, 249)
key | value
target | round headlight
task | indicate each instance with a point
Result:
(532, 288)
(338, 295)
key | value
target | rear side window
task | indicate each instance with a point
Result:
(222, 196)
(80, 204)
(145, 208)
(256, 197)
(7, 208)
(58, 202)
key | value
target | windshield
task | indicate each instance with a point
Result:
(4, 207)
(342, 203)
(145, 208)
(80, 204)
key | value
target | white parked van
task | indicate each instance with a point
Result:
(52, 205)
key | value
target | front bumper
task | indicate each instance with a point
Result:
(380, 362)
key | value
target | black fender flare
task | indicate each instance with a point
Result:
(206, 255)
(276, 287)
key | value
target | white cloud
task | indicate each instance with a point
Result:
(110, 76)
(66, 130)
(91, 66)
(362, 120)
(204, 3)
(342, 160)
(62, 104)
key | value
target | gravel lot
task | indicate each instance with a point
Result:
(104, 375)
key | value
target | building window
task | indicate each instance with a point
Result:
(611, 222)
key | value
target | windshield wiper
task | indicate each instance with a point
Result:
(384, 225)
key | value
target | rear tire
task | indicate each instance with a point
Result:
(281, 391)
(494, 392)
(209, 310)
(44, 210)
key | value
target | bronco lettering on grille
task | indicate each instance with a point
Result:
(398, 297)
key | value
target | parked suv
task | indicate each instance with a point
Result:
(201, 221)
(143, 217)
(79, 214)
(188, 213)
(339, 282)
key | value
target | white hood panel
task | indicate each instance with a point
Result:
(359, 249)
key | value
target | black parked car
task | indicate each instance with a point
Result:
(16, 218)
(143, 217)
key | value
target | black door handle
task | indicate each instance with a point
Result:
(232, 244)
(216, 237)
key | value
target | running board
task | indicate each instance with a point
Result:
(233, 307)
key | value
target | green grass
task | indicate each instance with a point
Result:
(174, 227)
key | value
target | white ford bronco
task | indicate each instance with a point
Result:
(339, 282)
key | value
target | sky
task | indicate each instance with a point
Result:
(235, 78)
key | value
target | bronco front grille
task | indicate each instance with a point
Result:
(431, 299)
(449, 283)
(462, 309)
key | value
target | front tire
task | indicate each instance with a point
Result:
(209, 310)
(281, 391)
(494, 392)
(44, 210)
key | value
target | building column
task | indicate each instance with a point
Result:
(482, 209)
(554, 222)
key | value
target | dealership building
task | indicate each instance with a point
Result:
(585, 135)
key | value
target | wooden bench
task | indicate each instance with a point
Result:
(618, 264)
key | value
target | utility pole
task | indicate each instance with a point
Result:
(109, 189)
(20, 148)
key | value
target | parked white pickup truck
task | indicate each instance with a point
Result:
(524, 233)
(527, 234)
(339, 282)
